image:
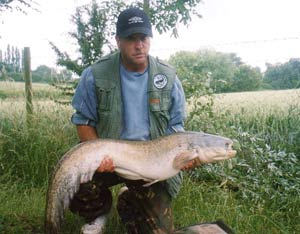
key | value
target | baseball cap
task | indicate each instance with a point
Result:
(133, 20)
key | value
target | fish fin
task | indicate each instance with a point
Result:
(182, 159)
(150, 183)
(128, 174)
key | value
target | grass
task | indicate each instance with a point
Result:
(263, 102)
(21, 209)
(256, 192)
(15, 90)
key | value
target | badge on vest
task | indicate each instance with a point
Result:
(160, 81)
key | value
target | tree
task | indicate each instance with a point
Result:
(220, 66)
(283, 76)
(11, 60)
(95, 26)
(227, 73)
(93, 31)
(166, 15)
(17, 60)
(8, 55)
(246, 78)
(50, 75)
(1, 61)
(196, 84)
(18, 5)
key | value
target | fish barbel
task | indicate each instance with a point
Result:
(151, 161)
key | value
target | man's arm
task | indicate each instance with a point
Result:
(86, 133)
(85, 117)
(178, 108)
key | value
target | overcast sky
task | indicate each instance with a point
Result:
(258, 31)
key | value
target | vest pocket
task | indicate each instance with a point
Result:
(159, 105)
(105, 99)
(159, 101)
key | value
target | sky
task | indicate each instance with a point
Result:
(258, 31)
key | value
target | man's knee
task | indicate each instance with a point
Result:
(145, 211)
(91, 201)
(126, 206)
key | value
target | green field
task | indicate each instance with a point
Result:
(258, 191)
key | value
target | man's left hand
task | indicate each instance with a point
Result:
(192, 164)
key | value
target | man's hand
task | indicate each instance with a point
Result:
(192, 164)
(107, 165)
(87, 133)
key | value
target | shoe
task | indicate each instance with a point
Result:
(122, 190)
(95, 227)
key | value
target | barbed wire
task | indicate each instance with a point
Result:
(217, 47)
(234, 43)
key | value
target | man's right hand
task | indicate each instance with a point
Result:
(107, 165)
(87, 133)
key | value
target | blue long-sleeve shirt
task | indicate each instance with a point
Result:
(135, 117)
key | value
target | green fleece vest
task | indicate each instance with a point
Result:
(106, 72)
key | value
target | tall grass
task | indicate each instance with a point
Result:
(265, 173)
(256, 192)
(28, 152)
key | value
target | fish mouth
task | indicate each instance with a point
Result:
(230, 152)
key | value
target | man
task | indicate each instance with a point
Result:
(134, 96)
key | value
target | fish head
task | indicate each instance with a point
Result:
(210, 148)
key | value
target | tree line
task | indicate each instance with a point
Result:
(283, 76)
(10, 60)
(226, 72)
(222, 72)
(11, 68)
(94, 30)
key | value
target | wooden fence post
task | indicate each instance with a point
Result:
(28, 83)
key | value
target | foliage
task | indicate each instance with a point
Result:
(166, 15)
(95, 27)
(93, 34)
(10, 60)
(227, 72)
(198, 92)
(222, 67)
(18, 5)
(49, 75)
(266, 169)
(283, 76)
(246, 79)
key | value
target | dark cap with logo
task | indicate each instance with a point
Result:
(131, 21)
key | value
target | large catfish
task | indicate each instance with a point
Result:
(151, 161)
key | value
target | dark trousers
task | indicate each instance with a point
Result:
(143, 210)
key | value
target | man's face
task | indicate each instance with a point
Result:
(134, 51)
